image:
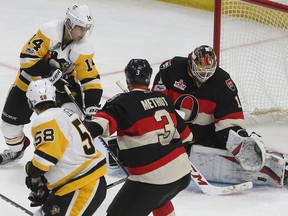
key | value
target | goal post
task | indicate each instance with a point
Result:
(251, 42)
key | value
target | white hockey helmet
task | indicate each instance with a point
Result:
(40, 91)
(202, 63)
(79, 15)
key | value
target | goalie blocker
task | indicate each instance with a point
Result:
(248, 162)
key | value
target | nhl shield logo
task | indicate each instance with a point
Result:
(230, 84)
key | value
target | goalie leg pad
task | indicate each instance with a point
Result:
(274, 169)
(221, 166)
(248, 151)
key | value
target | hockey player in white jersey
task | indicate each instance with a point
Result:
(66, 173)
(60, 51)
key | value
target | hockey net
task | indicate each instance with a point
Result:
(251, 42)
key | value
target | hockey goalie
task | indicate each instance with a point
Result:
(208, 98)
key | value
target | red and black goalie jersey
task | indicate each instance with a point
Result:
(211, 110)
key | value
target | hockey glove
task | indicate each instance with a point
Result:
(34, 184)
(90, 111)
(55, 76)
(38, 198)
(58, 79)
(39, 190)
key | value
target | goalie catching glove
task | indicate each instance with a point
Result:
(248, 151)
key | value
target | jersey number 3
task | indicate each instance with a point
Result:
(169, 128)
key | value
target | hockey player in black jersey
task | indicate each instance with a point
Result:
(150, 137)
(208, 99)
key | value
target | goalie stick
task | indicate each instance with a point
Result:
(200, 180)
(15, 204)
(102, 141)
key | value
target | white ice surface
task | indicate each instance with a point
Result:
(123, 30)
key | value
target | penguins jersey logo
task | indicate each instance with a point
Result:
(56, 62)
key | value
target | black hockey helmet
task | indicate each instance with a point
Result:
(138, 71)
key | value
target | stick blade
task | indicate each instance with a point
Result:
(226, 190)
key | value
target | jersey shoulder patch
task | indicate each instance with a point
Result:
(230, 84)
(221, 76)
(165, 64)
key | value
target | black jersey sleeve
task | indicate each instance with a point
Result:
(228, 113)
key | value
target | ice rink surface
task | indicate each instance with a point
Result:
(126, 29)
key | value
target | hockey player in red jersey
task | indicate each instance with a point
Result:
(150, 137)
(208, 99)
(61, 52)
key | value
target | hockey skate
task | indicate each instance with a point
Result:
(9, 156)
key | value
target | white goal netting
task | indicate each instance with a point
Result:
(254, 51)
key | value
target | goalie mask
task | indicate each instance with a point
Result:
(138, 71)
(202, 64)
(40, 91)
(79, 15)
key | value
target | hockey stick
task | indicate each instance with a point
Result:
(200, 180)
(69, 93)
(118, 163)
(116, 183)
(121, 86)
(15, 204)
(113, 156)
(73, 99)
